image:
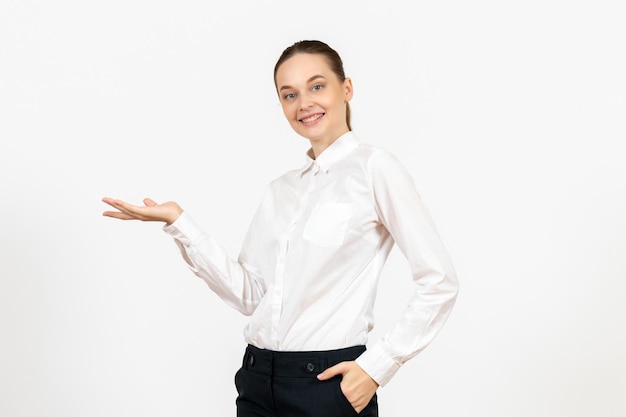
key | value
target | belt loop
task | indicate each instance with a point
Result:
(248, 359)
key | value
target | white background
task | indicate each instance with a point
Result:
(510, 116)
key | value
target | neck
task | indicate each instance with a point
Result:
(319, 145)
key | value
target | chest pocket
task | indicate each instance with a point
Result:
(328, 223)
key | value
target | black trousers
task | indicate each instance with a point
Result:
(285, 384)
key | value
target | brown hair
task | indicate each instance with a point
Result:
(316, 47)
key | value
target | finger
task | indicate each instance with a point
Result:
(108, 200)
(149, 202)
(126, 211)
(118, 215)
(125, 207)
(113, 202)
(333, 371)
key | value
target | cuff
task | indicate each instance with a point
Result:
(378, 364)
(184, 228)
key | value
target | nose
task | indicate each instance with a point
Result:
(305, 102)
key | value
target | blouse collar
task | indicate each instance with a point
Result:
(337, 150)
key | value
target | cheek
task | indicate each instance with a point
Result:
(289, 110)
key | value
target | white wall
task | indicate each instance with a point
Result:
(510, 115)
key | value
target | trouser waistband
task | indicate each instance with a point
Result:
(296, 364)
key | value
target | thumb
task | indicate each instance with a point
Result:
(333, 371)
(149, 202)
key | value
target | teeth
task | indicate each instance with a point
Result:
(312, 118)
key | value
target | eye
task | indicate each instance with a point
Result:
(317, 87)
(289, 96)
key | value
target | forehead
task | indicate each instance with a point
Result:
(300, 67)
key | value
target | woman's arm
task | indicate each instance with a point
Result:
(402, 212)
(240, 286)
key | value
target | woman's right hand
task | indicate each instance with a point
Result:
(150, 212)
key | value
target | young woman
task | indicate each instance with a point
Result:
(309, 266)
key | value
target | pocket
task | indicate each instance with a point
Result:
(343, 402)
(328, 223)
(370, 410)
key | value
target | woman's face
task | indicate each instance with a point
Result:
(313, 98)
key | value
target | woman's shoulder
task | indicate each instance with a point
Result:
(378, 157)
(285, 178)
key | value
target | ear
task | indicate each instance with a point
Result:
(347, 85)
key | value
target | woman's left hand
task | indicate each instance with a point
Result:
(357, 386)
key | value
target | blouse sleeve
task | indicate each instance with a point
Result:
(402, 212)
(238, 284)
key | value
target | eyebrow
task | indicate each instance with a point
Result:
(286, 87)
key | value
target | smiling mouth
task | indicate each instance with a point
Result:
(313, 118)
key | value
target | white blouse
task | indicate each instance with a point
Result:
(309, 267)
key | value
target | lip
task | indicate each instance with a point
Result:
(311, 119)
